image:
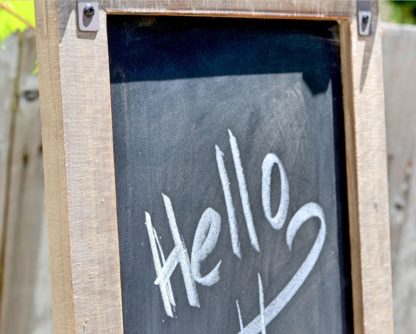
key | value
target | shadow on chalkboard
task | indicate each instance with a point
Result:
(224, 49)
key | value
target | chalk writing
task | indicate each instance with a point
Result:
(208, 231)
(243, 192)
(206, 237)
(304, 214)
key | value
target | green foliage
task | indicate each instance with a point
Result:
(16, 15)
(400, 11)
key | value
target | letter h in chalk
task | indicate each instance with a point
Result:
(165, 268)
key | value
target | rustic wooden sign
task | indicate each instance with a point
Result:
(215, 167)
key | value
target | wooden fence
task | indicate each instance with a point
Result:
(25, 286)
(399, 56)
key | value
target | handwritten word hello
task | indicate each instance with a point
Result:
(208, 231)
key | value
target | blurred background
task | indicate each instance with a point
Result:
(25, 291)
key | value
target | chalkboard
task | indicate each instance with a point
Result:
(230, 175)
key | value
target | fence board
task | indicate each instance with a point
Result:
(26, 300)
(399, 55)
(8, 72)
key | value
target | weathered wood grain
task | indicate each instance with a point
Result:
(367, 178)
(324, 9)
(54, 163)
(79, 179)
(26, 301)
(399, 53)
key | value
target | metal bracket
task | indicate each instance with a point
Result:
(364, 17)
(88, 15)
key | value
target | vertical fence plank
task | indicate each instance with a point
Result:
(399, 55)
(26, 299)
(8, 71)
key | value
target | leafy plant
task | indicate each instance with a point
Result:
(399, 11)
(16, 15)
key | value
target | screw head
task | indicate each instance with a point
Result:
(89, 10)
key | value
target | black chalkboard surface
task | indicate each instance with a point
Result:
(230, 172)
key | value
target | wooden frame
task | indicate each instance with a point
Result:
(79, 165)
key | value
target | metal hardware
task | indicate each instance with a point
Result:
(89, 10)
(88, 15)
(364, 17)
